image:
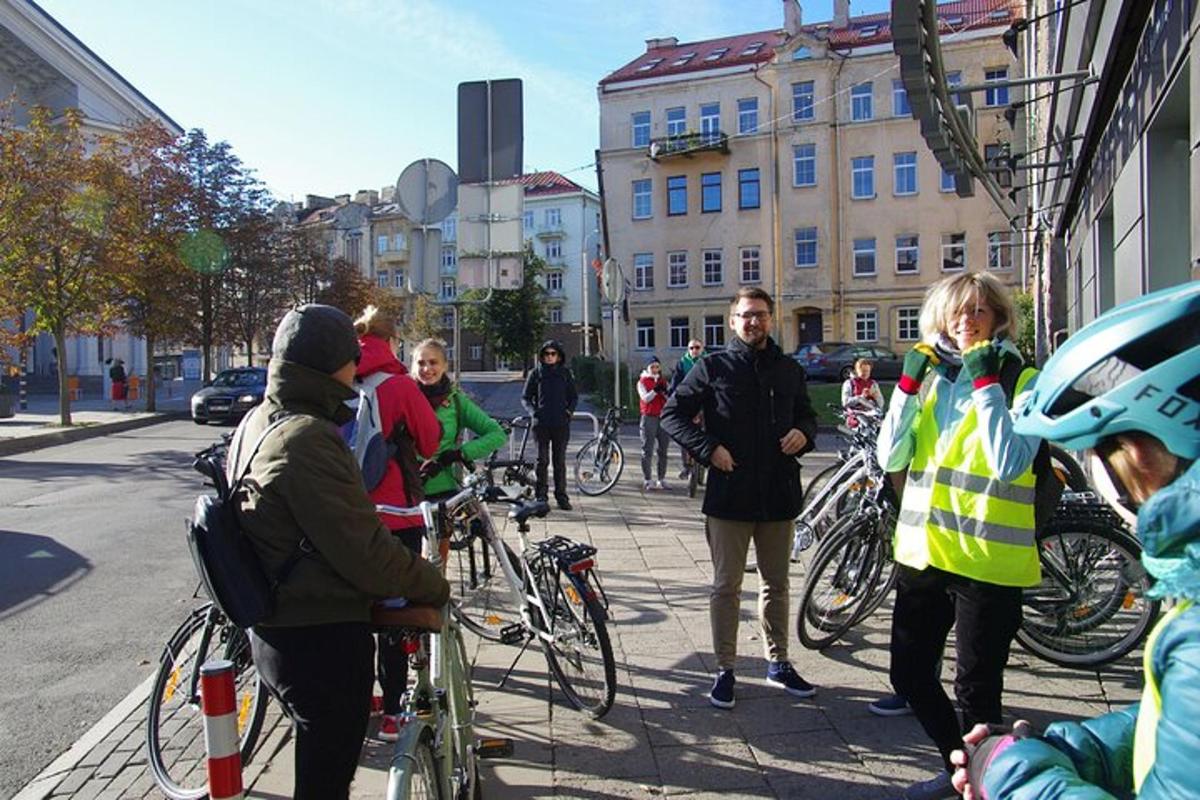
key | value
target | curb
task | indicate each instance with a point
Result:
(24, 444)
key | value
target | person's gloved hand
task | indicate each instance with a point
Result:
(917, 364)
(661, 387)
(982, 363)
(981, 746)
(429, 468)
(452, 456)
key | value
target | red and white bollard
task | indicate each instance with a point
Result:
(221, 741)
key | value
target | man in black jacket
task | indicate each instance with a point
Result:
(757, 420)
(550, 398)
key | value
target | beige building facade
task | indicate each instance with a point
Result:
(790, 161)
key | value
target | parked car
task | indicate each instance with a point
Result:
(811, 351)
(837, 364)
(231, 394)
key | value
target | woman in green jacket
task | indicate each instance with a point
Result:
(457, 413)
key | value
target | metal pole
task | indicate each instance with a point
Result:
(616, 360)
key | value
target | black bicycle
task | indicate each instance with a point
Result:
(600, 461)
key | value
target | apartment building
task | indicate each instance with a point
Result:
(789, 159)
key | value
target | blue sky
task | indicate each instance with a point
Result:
(332, 96)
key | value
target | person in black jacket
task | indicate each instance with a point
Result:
(550, 399)
(757, 420)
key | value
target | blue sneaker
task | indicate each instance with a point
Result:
(721, 694)
(894, 705)
(781, 673)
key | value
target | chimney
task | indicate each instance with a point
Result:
(666, 41)
(314, 201)
(368, 197)
(341, 199)
(793, 17)
(388, 195)
(841, 14)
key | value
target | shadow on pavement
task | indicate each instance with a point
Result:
(33, 568)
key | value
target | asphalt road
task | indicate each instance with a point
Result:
(94, 576)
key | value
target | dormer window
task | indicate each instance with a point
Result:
(683, 59)
(716, 54)
(999, 13)
(801, 53)
(954, 21)
(868, 32)
(753, 48)
(649, 65)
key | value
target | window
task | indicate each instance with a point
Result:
(645, 334)
(448, 318)
(643, 271)
(676, 195)
(503, 364)
(353, 245)
(900, 107)
(864, 257)
(449, 289)
(908, 326)
(476, 352)
(954, 79)
(381, 244)
(861, 108)
(748, 188)
(804, 165)
(450, 353)
(716, 54)
(683, 59)
(641, 129)
(680, 331)
(751, 259)
(649, 65)
(802, 101)
(748, 115)
(554, 281)
(710, 192)
(947, 180)
(806, 247)
(449, 231)
(382, 278)
(999, 95)
(399, 242)
(866, 325)
(449, 257)
(801, 53)
(556, 314)
(753, 48)
(553, 217)
(905, 173)
(642, 204)
(862, 171)
(996, 157)
(398, 279)
(714, 332)
(527, 222)
(868, 31)
(677, 269)
(676, 121)
(710, 121)
(714, 270)
(1000, 246)
(908, 254)
(554, 249)
(954, 251)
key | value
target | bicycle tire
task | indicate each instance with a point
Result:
(849, 554)
(695, 478)
(888, 575)
(575, 654)
(598, 465)
(1068, 470)
(481, 600)
(414, 770)
(174, 722)
(817, 484)
(464, 773)
(1090, 608)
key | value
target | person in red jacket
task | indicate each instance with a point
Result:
(652, 396)
(400, 404)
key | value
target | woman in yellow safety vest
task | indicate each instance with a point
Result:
(1127, 389)
(964, 542)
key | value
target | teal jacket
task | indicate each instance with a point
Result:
(1094, 759)
(458, 414)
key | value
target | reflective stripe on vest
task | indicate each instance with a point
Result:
(1145, 735)
(957, 516)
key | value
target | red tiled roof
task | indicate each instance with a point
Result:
(662, 61)
(538, 184)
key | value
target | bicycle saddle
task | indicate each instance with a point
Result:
(413, 617)
(521, 512)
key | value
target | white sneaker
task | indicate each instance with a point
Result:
(647, 486)
(660, 485)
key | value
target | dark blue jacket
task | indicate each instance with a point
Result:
(750, 399)
(550, 396)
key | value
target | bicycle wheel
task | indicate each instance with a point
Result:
(694, 478)
(840, 580)
(817, 485)
(579, 653)
(598, 465)
(883, 585)
(174, 722)
(480, 597)
(1091, 606)
(1068, 470)
(464, 773)
(414, 772)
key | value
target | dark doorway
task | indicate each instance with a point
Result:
(809, 327)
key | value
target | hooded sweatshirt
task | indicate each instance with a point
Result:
(652, 392)
(550, 395)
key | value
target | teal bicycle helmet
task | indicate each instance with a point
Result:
(1134, 368)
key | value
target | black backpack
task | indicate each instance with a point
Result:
(229, 567)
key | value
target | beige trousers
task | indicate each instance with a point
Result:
(729, 541)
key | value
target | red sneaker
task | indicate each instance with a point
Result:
(389, 728)
(376, 704)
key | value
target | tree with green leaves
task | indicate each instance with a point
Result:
(513, 321)
(422, 317)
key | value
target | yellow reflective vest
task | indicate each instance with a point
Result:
(1145, 735)
(957, 516)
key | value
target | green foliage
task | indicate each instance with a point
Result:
(1025, 329)
(514, 320)
(594, 377)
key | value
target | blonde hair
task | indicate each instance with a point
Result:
(947, 296)
(374, 322)
(433, 344)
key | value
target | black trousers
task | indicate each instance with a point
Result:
(322, 676)
(552, 443)
(393, 663)
(985, 617)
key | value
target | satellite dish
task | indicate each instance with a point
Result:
(427, 191)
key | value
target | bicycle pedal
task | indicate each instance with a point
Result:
(512, 634)
(494, 747)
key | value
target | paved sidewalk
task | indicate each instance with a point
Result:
(662, 736)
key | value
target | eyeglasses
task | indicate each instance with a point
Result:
(549, 353)
(695, 347)
(761, 316)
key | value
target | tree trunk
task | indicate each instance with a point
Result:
(64, 394)
(151, 387)
(249, 352)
